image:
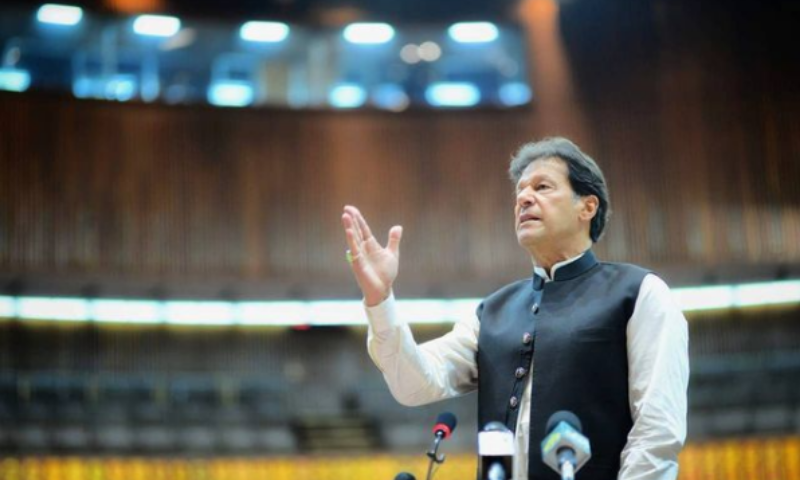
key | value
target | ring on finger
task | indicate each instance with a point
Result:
(350, 257)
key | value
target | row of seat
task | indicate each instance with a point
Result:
(161, 440)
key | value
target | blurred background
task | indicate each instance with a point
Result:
(174, 299)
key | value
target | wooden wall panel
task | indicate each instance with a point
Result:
(699, 139)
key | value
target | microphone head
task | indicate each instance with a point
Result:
(495, 427)
(564, 442)
(563, 416)
(405, 476)
(445, 424)
(495, 440)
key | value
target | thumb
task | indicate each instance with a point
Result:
(395, 234)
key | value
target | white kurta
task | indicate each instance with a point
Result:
(658, 376)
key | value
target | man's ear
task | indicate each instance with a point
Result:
(589, 206)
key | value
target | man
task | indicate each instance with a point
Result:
(603, 340)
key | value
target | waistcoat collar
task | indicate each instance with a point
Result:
(568, 271)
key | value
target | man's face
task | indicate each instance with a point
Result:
(547, 212)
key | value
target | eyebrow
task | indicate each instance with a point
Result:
(542, 176)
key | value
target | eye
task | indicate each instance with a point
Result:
(542, 186)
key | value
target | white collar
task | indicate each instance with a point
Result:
(542, 272)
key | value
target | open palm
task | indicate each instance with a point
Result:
(374, 266)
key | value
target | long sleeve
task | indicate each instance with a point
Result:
(418, 374)
(658, 379)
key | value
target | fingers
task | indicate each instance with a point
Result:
(353, 214)
(353, 242)
(359, 235)
(354, 254)
(362, 223)
(363, 230)
(395, 234)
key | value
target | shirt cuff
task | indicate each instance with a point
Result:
(382, 317)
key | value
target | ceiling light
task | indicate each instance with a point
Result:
(473, 32)
(368, 33)
(156, 25)
(264, 32)
(56, 14)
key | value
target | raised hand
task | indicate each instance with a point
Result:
(375, 267)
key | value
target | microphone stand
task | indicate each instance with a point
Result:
(567, 471)
(433, 454)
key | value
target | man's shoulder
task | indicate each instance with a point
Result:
(507, 291)
(626, 269)
(634, 279)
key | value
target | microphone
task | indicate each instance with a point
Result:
(564, 448)
(496, 452)
(405, 476)
(445, 425)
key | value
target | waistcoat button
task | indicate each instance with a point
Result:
(535, 308)
(513, 402)
(527, 338)
(520, 372)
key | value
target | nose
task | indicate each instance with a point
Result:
(525, 198)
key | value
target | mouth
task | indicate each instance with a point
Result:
(527, 218)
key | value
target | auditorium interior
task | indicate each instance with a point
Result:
(175, 302)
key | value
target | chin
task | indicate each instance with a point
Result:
(527, 240)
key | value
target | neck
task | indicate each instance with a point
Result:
(546, 256)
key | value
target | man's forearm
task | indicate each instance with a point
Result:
(420, 374)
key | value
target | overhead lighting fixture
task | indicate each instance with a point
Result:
(121, 88)
(200, 313)
(705, 298)
(182, 39)
(127, 311)
(347, 95)
(88, 87)
(8, 307)
(14, 79)
(410, 54)
(514, 94)
(337, 312)
(55, 14)
(738, 296)
(368, 33)
(341, 312)
(231, 93)
(453, 94)
(770, 293)
(156, 25)
(48, 308)
(266, 313)
(473, 32)
(430, 51)
(264, 32)
(390, 97)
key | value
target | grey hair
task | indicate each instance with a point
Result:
(585, 177)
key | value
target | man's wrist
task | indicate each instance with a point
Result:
(382, 317)
(373, 300)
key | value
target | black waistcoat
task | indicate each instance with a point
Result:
(574, 329)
